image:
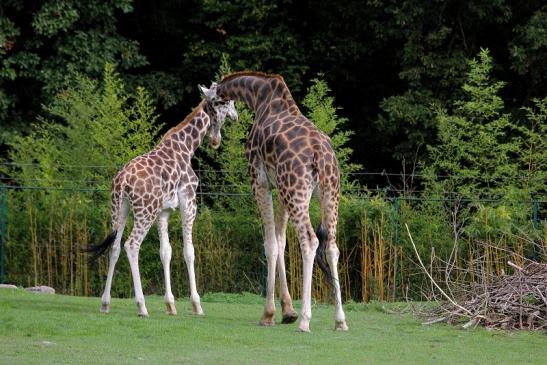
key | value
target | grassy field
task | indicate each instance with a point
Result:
(47, 329)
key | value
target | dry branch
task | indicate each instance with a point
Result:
(517, 301)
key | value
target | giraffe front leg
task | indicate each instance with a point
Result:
(263, 197)
(188, 211)
(165, 255)
(287, 309)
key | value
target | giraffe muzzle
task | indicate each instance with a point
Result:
(233, 116)
(215, 143)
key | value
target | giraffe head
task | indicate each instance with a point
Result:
(219, 110)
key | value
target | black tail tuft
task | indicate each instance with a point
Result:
(99, 250)
(322, 235)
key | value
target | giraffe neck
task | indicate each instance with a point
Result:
(186, 137)
(264, 94)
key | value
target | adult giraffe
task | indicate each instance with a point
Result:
(287, 151)
(155, 183)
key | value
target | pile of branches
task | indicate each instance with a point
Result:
(511, 302)
(517, 301)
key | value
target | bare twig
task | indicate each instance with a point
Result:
(431, 278)
(433, 321)
(510, 263)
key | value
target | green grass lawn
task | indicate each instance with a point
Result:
(56, 329)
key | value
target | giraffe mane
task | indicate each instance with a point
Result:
(185, 121)
(251, 73)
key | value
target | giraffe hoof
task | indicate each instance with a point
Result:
(142, 310)
(171, 309)
(289, 317)
(196, 309)
(341, 326)
(105, 308)
(266, 322)
(304, 325)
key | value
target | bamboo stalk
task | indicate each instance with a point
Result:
(33, 239)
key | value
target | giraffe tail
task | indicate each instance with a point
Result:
(98, 250)
(320, 255)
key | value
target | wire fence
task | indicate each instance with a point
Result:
(389, 192)
(389, 189)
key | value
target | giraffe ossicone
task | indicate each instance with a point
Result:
(285, 150)
(153, 184)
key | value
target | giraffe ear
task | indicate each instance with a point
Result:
(209, 94)
(203, 90)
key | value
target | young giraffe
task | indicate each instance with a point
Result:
(155, 183)
(285, 150)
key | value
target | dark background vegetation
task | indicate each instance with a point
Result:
(386, 61)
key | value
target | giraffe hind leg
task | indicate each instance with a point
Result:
(330, 218)
(287, 309)
(132, 247)
(263, 196)
(114, 255)
(333, 253)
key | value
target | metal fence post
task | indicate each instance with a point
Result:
(3, 230)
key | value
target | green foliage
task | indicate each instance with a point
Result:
(255, 36)
(410, 115)
(533, 154)
(102, 126)
(388, 62)
(231, 155)
(54, 17)
(490, 221)
(60, 36)
(432, 42)
(474, 155)
(486, 169)
(529, 48)
(321, 110)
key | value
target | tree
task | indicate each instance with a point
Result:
(533, 154)
(102, 127)
(432, 59)
(475, 153)
(40, 42)
(256, 34)
(321, 110)
(528, 51)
